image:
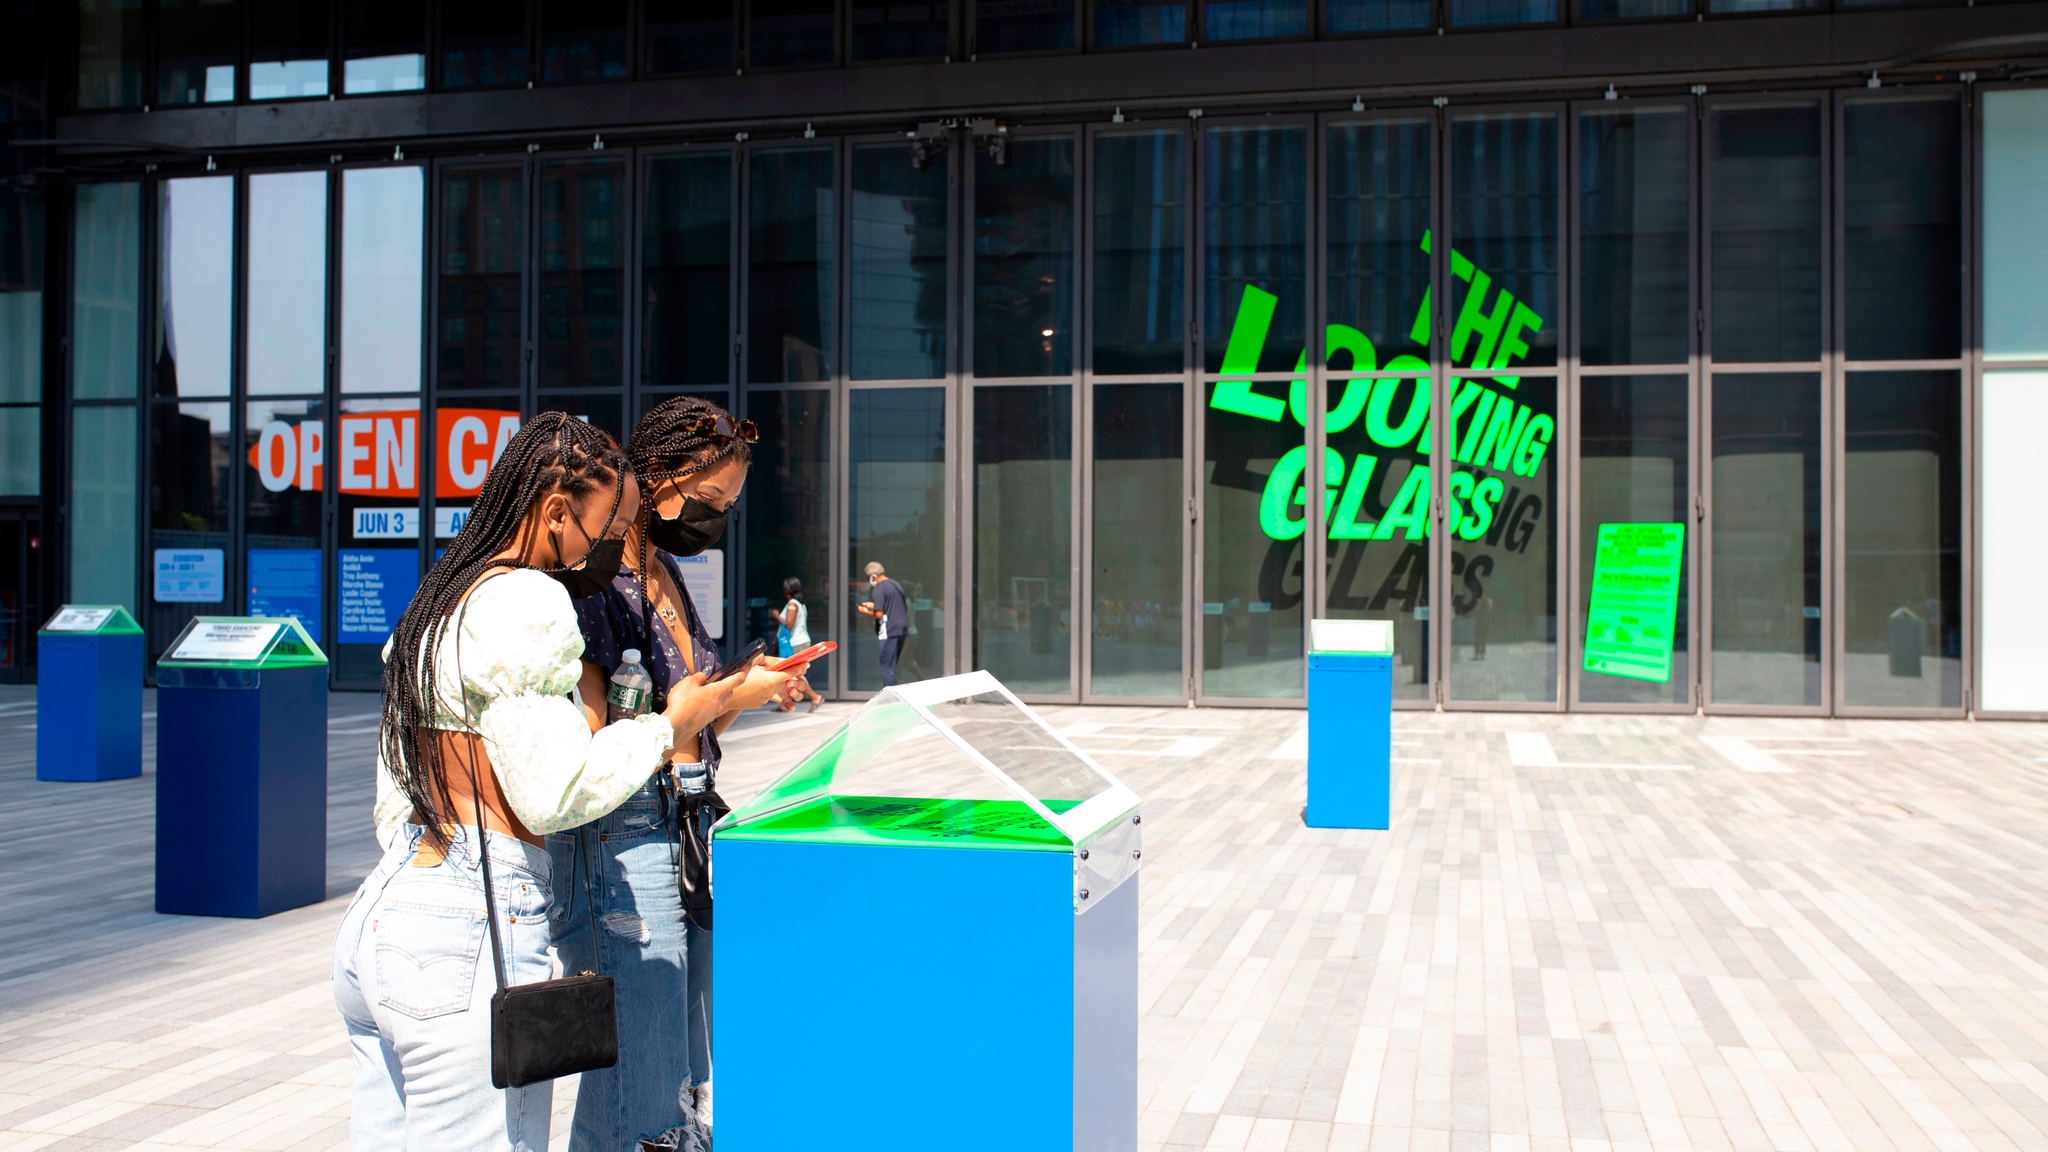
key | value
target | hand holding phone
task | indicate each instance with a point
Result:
(739, 663)
(821, 648)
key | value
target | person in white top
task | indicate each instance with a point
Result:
(481, 730)
(794, 636)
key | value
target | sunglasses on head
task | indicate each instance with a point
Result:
(722, 429)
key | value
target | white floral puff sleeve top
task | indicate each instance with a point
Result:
(509, 674)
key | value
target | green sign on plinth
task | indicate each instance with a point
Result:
(1635, 600)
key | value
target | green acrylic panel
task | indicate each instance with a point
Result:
(92, 620)
(1629, 626)
(1007, 824)
(242, 642)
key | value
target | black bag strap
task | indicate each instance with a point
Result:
(476, 796)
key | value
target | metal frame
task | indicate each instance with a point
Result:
(1565, 516)
(1571, 397)
(1190, 409)
(1822, 100)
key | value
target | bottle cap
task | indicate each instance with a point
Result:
(630, 655)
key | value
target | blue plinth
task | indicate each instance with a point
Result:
(88, 706)
(1350, 722)
(241, 790)
(913, 999)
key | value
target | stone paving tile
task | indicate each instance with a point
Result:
(1584, 934)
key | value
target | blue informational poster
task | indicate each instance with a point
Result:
(286, 582)
(191, 575)
(376, 584)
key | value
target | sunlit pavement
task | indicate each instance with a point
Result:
(1583, 932)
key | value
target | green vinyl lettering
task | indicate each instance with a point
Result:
(1475, 426)
(1511, 343)
(1531, 445)
(1241, 355)
(1344, 523)
(1461, 485)
(1485, 495)
(1282, 490)
(1410, 508)
(1383, 431)
(1497, 447)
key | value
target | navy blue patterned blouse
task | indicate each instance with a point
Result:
(613, 621)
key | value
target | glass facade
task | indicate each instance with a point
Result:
(1124, 405)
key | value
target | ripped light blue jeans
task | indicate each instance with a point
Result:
(660, 966)
(413, 980)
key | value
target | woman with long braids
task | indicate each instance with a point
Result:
(648, 861)
(480, 731)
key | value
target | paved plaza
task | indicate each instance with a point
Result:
(1583, 933)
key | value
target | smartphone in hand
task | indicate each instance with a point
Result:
(821, 648)
(739, 662)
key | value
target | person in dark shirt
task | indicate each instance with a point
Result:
(892, 615)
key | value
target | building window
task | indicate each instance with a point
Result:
(901, 29)
(793, 34)
(1348, 17)
(899, 265)
(1024, 535)
(687, 36)
(483, 44)
(686, 270)
(1224, 20)
(1140, 265)
(1494, 13)
(1139, 23)
(582, 275)
(1591, 10)
(792, 298)
(481, 336)
(1024, 259)
(111, 35)
(288, 49)
(582, 40)
(384, 46)
(196, 45)
(106, 275)
(1002, 26)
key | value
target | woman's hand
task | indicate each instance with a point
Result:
(692, 704)
(759, 685)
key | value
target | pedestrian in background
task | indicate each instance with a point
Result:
(793, 635)
(892, 618)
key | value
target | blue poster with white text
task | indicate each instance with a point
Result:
(286, 582)
(375, 586)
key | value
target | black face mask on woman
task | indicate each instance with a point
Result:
(593, 574)
(693, 529)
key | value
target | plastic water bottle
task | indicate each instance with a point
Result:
(632, 689)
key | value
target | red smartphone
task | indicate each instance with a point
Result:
(804, 657)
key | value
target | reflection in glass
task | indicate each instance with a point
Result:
(1254, 19)
(1504, 594)
(582, 273)
(102, 507)
(1135, 23)
(2015, 166)
(288, 49)
(1023, 26)
(896, 516)
(189, 456)
(1504, 200)
(384, 46)
(1139, 535)
(1634, 468)
(791, 238)
(21, 297)
(283, 449)
(483, 242)
(1024, 260)
(1481, 13)
(1902, 535)
(1633, 9)
(194, 339)
(1023, 535)
(196, 43)
(1731, 7)
(687, 35)
(106, 272)
(1634, 239)
(607, 410)
(582, 40)
(1376, 260)
(378, 526)
(111, 35)
(1764, 539)
(1763, 249)
(1140, 288)
(21, 450)
(383, 228)
(686, 270)
(900, 29)
(899, 265)
(789, 516)
(1252, 572)
(792, 33)
(483, 43)
(1902, 228)
(1255, 247)
(1347, 16)
(287, 269)
(1376, 501)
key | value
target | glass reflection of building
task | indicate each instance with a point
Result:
(1123, 385)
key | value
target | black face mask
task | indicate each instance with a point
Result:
(697, 527)
(594, 573)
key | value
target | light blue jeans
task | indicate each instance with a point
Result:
(413, 980)
(659, 963)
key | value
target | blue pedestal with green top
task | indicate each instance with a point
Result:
(89, 695)
(1350, 723)
(241, 769)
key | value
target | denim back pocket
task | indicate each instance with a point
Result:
(427, 954)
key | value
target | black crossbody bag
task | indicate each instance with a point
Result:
(549, 1028)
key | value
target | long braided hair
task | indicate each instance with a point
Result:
(669, 444)
(554, 453)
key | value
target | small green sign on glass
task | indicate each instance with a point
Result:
(1630, 623)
